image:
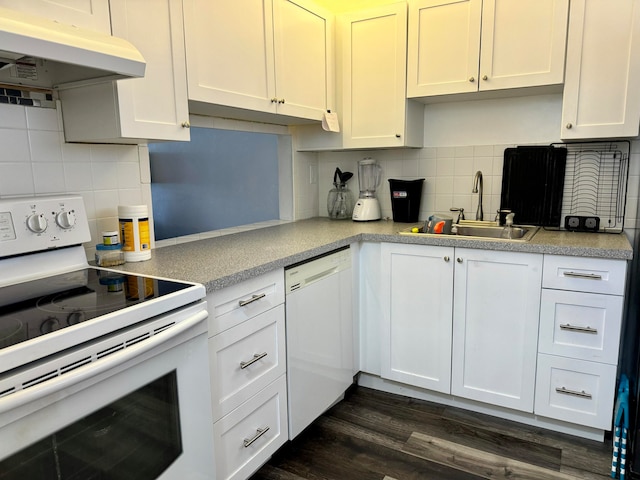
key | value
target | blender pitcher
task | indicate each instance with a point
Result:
(367, 207)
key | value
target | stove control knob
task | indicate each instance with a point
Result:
(37, 223)
(66, 220)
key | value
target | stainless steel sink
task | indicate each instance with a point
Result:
(483, 230)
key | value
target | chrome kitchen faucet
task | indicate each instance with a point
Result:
(477, 188)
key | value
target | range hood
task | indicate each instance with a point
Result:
(39, 52)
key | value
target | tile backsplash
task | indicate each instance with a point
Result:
(36, 161)
(448, 173)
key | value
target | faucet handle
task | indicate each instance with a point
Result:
(500, 213)
(460, 211)
(509, 219)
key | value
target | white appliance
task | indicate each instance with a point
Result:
(102, 373)
(64, 53)
(319, 326)
(367, 207)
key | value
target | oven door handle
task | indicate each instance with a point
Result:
(86, 372)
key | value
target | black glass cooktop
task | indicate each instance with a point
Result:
(38, 307)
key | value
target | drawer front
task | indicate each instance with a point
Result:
(575, 391)
(580, 325)
(235, 304)
(245, 359)
(596, 275)
(236, 455)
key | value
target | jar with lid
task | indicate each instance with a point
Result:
(340, 202)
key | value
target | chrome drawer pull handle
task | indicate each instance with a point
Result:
(576, 328)
(256, 357)
(588, 276)
(575, 393)
(253, 298)
(261, 431)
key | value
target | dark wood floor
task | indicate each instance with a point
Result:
(379, 436)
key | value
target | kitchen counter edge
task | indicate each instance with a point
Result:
(222, 261)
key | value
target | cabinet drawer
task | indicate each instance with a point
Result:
(267, 410)
(245, 359)
(575, 391)
(580, 325)
(237, 303)
(595, 275)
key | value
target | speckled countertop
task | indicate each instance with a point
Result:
(221, 261)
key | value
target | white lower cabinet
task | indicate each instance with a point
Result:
(575, 391)
(249, 435)
(495, 326)
(461, 321)
(417, 304)
(580, 324)
(247, 362)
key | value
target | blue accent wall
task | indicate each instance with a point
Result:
(220, 179)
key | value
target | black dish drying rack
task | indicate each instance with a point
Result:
(595, 186)
(568, 186)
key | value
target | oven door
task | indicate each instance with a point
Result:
(141, 413)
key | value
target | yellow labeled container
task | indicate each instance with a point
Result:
(134, 232)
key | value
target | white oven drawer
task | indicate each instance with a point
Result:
(235, 304)
(580, 325)
(575, 391)
(245, 359)
(596, 275)
(248, 436)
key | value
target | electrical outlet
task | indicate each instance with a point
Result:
(313, 174)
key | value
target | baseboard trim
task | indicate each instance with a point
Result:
(378, 383)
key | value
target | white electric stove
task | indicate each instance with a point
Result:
(92, 358)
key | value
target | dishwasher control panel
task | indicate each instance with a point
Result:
(307, 273)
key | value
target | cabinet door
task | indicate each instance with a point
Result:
(303, 49)
(443, 47)
(91, 14)
(523, 43)
(601, 96)
(373, 52)
(135, 110)
(417, 301)
(229, 49)
(495, 326)
(153, 107)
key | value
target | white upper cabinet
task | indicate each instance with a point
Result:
(303, 53)
(376, 112)
(256, 57)
(91, 14)
(462, 46)
(601, 95)
(136, 110)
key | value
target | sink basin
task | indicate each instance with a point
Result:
(485, 230)
(516, 233)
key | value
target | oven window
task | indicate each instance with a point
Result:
(136, 437)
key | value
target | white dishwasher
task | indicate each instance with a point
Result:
(319, 325)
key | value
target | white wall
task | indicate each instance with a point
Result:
(461, 138)
(36, 161)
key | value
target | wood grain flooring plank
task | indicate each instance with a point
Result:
(269, 472)
(484, 464)
(577, 453)
(407, 417)
(373, 435)
(326, 452)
